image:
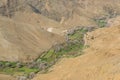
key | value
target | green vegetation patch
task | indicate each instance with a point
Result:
(12, 68)
(101, 23)
(73, 47)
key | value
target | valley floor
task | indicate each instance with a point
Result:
(101, 61)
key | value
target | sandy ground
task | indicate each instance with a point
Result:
(25, 36)
(24, 42)
(101, 60)
(6, 77)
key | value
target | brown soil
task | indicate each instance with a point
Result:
(6, 77)
(24, 42)
(24, 36)
(100, 61)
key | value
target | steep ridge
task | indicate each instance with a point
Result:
(64, 11)
(24, 34)
(39, 20)
(101, 61)
(24, 42)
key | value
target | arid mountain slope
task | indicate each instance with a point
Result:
(39, 20)
(29, 27)
(101, 60)
(114, 21)
(24, 42)
(6, 77)
(64, 11)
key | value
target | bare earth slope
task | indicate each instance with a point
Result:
(101, 61)
(67, 12)
(6, 77)
(24, 42)
(25, 27)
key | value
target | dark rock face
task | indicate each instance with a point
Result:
(56, 9)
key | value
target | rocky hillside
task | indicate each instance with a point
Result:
(24, 42)
(30, 28)
(69, 12)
